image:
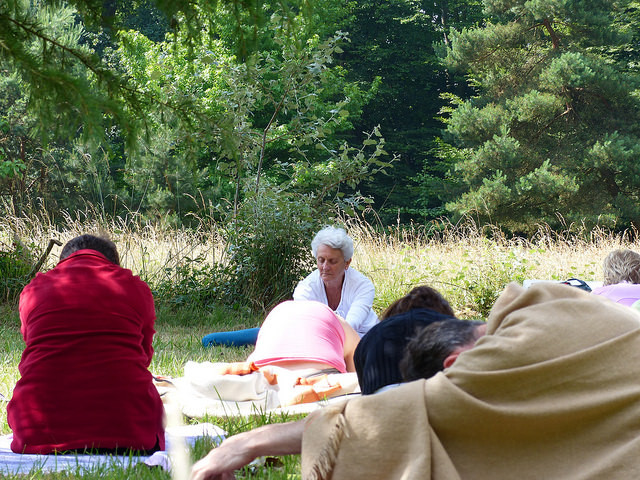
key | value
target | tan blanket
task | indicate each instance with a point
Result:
(552, 392)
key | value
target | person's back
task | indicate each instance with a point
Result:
(88, 325)
(307, 334)
(552, 387)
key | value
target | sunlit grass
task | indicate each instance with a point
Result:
(472, 265)
(178, 339)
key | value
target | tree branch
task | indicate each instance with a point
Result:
(555, 39)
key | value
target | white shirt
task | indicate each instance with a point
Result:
(356, 299)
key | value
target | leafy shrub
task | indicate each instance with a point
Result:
(481, 280)
(192, 282)
(15, 266)
(269, 247)
(267, 251)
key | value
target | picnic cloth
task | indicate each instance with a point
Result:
(15, 463)
(241, 389)
(551, 391)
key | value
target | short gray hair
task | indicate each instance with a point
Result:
(621, 266)
(333, 237)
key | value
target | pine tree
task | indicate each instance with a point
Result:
(553, 134)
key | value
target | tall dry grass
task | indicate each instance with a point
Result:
(149, 249)
(469, 263)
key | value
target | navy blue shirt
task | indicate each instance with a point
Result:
(378, 355)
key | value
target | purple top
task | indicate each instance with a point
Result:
(623, 293)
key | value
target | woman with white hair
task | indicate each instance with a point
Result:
(345, 290)
(621, 270)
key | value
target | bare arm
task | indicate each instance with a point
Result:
(351, 340)
(242, 449)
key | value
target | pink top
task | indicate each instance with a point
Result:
(301, 330)
(623, 293)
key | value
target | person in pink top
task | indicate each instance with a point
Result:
(305, 335)
(621, 269)
(88, 327)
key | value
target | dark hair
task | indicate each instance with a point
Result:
(426, 352)
(378, 355)
(91, 242)
(419, 297)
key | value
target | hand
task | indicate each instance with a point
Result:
(222, 461)
(240, 450)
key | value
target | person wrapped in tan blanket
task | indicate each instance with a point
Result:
(551, 391)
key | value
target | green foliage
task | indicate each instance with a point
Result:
(194, 282)
(16, 264)
(392, 47)
(143, 16)
(11, 168)
(273, 119)
(345, 167)
(269, 247)
(267, 251)
(474, 287)
(553, 129)
(67, 83)
(19, 151)
(71, 89)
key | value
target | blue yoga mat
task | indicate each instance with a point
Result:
(237, 338)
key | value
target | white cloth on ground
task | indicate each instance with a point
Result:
(203, 391)
(14, 463)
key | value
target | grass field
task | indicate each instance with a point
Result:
(469, 265)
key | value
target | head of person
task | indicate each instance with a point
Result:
(378, 355)
(436, 347)
(91, 242)
(419, 297)
(620, 266)
(333, 250)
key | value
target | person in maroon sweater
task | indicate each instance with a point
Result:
(88, 326)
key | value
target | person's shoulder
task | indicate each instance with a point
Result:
(33, 284)
(352, 272)
(606, 288)
(354, 276)
(308, 283)
(123, 274)
(135, 280)
(624, 286)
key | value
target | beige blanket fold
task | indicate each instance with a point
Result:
(354, 439)
(552, 392)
